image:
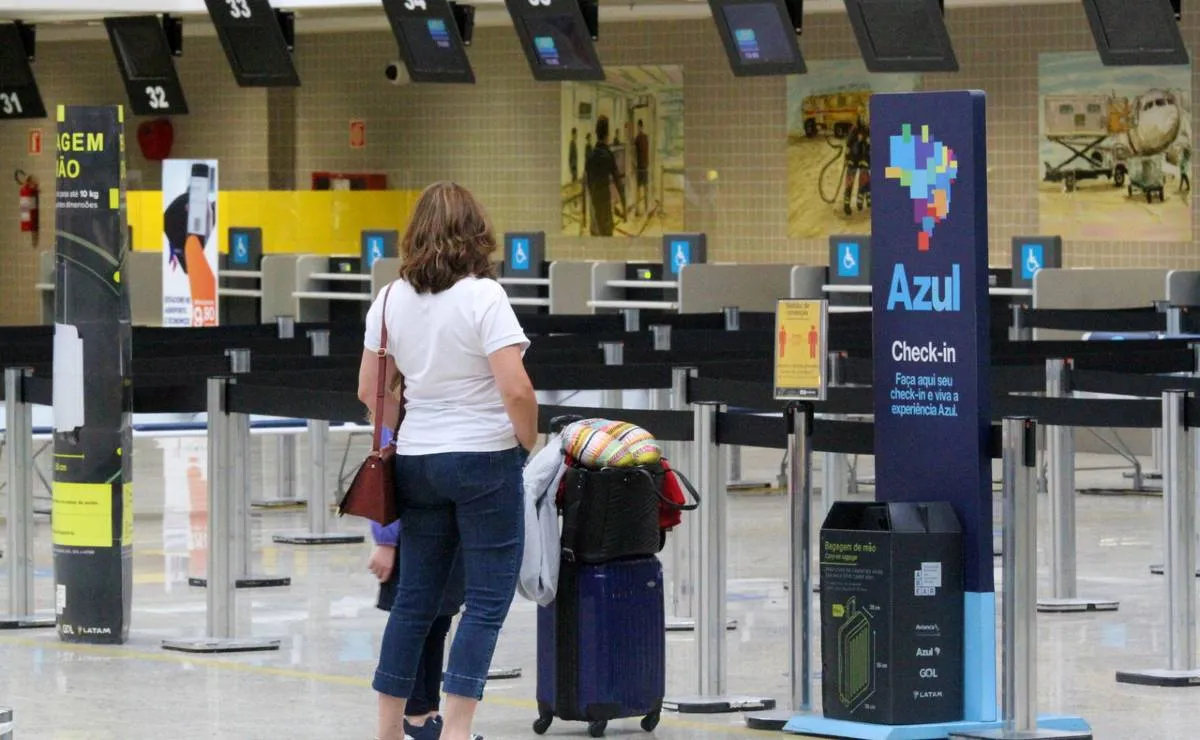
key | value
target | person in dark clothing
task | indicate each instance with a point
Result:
(573, 157)
(858, 167)
(601, 173)
(641, 146)
(587, 148)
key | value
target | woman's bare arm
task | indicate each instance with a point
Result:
(368, 387)
(516, 390)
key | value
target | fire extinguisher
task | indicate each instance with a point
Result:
(29, 204)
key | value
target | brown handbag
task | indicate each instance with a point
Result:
(372, 493)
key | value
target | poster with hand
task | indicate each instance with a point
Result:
(190, 237)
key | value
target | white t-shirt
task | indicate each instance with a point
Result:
(441, 344)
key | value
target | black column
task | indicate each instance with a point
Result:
(93, 494)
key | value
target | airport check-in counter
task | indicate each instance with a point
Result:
(334, 289)
(143, 275)
(239, 278)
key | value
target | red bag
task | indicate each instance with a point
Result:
(673, 503)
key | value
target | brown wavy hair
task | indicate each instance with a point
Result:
(450, 237)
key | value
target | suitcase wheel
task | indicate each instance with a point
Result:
(650, 721)
(542, 723)
(596, 729)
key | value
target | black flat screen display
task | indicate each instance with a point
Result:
(1136, 32)
(254, 43)
(902, 35)
(19, 95)
(556, 40)
(758, 36)
(429, 40)
(144, 57)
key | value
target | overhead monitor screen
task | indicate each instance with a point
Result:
(902, 35)
(1136, 32)
(430, 43)
(254, 43)
(19, 95)
(144, 57)
(556, 40)
(758, 37)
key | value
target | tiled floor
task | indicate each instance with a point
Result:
(317, 685)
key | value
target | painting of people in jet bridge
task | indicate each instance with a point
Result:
(622, 153)
(1114, 150)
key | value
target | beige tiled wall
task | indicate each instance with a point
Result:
(501, 136)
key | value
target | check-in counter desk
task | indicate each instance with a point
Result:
(334, 289)
(700, 287)
(241, 294)
(142, 275)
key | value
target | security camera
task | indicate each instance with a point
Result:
(396, 73)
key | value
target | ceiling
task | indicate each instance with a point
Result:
(76, 19)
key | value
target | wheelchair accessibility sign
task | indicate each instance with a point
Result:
(681, 254)
(1032, 260)
(848, 264)
(374, 249)
(241, 249)
(519, 254)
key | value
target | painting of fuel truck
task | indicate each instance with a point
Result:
(829, 146)
(1115, 150)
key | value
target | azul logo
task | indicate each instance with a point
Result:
(925, 292)
(1032, 259)
(847, 260)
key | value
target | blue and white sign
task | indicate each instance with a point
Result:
(681, 254)
(518, 254)
(375, 249)
(241, 248)
(848, 262)
(1033, 258)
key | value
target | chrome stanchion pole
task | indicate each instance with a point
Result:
(1019, 332)
(1179, 512)
(614, 354)
(19, 529)
(682, 540)
(6, 723)
(285, 446)
(241, 542)
(318, 486)
(733, 322)
(800, 425)
(833, 464)
(633, 319)
(1060, 457)
(224, 483)
(711, 616)
(1019, 665)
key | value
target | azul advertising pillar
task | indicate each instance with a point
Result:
(931, 344)
(93, 494)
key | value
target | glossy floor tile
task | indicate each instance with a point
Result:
(317, 685)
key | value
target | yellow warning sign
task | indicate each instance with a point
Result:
(83, 514)
(801, 327)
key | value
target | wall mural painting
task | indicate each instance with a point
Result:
(622, 163)
(1114, 150)
(829, 151)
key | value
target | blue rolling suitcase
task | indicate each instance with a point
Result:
(602, 646)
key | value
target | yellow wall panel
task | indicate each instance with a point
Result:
(295, 222)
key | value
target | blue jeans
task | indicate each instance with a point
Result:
(467, 500)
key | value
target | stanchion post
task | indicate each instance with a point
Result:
(614, 354)
(285, 445)
(711, 617)
(800, 618)
(223, 484)
(1174, 321)
(1019, 695)
(318, 489)
(1019, 332)
(19, 524)
(1179, 518)
(1060, 478)
(833, 464)
(633, 319)
(6, 723)
(732, 316)
(683, 538)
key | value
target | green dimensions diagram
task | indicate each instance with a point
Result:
(856, 655)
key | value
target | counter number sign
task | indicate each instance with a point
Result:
(801, 329)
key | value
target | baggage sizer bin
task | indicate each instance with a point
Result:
(892, 613)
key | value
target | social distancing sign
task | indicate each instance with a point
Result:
(801, 329)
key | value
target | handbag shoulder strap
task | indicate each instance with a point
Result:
(381, 381)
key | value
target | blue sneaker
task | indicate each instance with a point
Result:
(431, 730)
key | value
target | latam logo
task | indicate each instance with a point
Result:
(942, 293)
(928, 169)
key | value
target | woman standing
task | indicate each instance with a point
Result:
(470, 419)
